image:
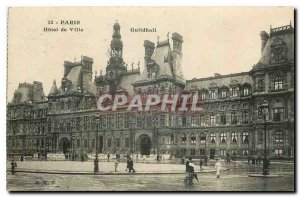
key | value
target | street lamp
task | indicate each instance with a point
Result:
(96, 161)
(263, 110)
(154, 122)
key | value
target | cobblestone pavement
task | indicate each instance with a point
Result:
(235, 179)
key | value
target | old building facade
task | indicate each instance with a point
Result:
(67, 120)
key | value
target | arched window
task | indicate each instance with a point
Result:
(234, 136)
(245, 137)
(213, 138)
(202, 138)
(183, 138)
(223, 137)
(278, 83)
(278, 136)
(193, 138)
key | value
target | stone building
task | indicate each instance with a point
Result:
(230, 123)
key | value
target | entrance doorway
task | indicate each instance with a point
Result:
(145, 146)
(212, 153)
(64, 145)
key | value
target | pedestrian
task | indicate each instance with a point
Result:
(128, 163)
(116, 165)
(108, 155)
(218, 166)
(131, 166)
(191, 172)
(201, 164)
(13, 166)
(157, 157)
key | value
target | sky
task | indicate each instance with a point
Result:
(216, 39)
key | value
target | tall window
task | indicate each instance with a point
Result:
(223, 137)
(202, 138)
(222, 152)
(119, 120)
(203, 96)
(110, 120)
(127, 120)
(126, 141)
(85, 142)
(278, 152)
(223, 119)
(183, 119)
(183, 139)
(162, 120)
(278, 83)
(194, 121)
(245, 117)
(234, 136)
(259, 137)
(202, 121)
(193, 151)
(212, 120)
(278, 114)
(223, 94)
(118, 142)
(109, 142)
(234, 92)
(278, 136)
(245, 137)
(93, 143)
(233, 118)
(193, 138)
(213, 94)
(246, 91)
(213, 138)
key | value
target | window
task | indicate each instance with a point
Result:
(109, 142)
(194, 121)
(193, 138)
(127, 120)
(203, 96)
(162, 120)
(222, 107)
(245, 117)
(246, 91)
(78, 143)
(202, 152)
(223, 119)
(278, 136)
(278, 114)
(202, 121)
(119, 120)
(259, 137)
(110, 121)
(118, 142)
(202, 138)
(213, 94)
(93, 143)
(278, 83)
(245, 137)
(213, 138)
(183, 139)
(234, 136)
(85, 143)
(126, 141)
(183, 119)
(245, 152)
(245, 106)
(223, 94)
(222, 152)
(193, 152)
(234, 92)
(68, 127)
(49, 128)
(212, 120)
(278, 152)
(223, 137)
(183, 151)
(233, 118)
(233, 152)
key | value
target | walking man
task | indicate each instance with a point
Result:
(218, 166)
(201, 164)
(108, 157)
(131, 166)
(13, 166)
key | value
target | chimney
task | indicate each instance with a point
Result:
(149, 49)
(177, 42)
(68, 66)
(264, 38)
